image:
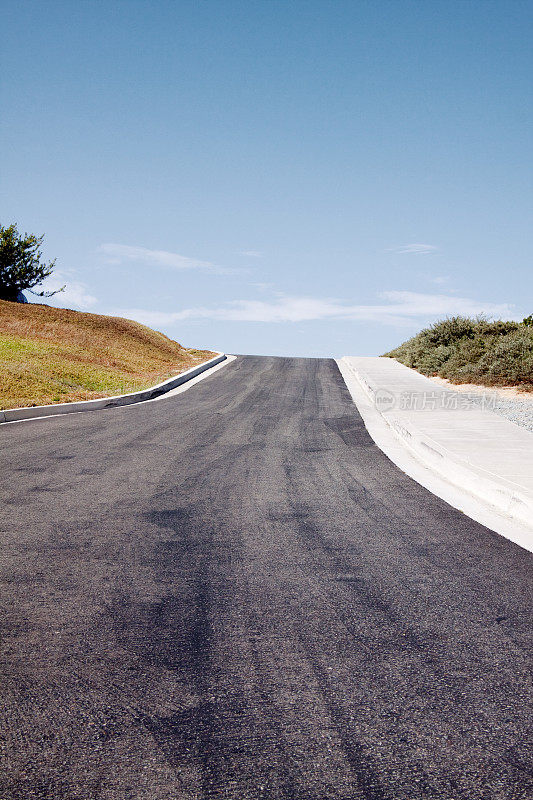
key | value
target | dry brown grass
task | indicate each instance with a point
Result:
(51, 355)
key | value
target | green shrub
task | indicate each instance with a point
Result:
(465, 350)
(510, 359)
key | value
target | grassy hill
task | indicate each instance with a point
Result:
(466, 350)
(52, 355)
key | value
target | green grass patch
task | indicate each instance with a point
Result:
(50, 355)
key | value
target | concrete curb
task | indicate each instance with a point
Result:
(33, 412)
(504, 496)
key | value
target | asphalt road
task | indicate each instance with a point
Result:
(232, 593)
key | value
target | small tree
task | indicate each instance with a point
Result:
(20, 264)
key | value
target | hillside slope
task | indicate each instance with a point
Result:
(53, 355)
(478, 351)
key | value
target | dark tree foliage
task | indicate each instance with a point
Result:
(20, 264)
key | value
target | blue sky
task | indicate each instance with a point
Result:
(289, 178)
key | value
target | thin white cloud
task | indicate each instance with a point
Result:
(252, 253)
(120, 253)
(415, 248)
(75, 294)
(440, 280)
(417, 304)
(401, 308)
(263, 287)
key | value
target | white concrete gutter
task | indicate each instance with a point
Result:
(32, 412)
(472, 458)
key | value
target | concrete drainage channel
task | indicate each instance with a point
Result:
(34, 412)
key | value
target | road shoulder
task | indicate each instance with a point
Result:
(446, 462)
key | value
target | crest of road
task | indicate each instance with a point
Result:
(233, 593)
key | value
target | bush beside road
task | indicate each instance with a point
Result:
(466, 350)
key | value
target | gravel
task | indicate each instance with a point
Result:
(517, 409)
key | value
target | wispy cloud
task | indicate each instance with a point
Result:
(400, 308)
(440, 280)
(252, 253)
(262, 286)
(75, 294)
(415, 248)
(120, 253)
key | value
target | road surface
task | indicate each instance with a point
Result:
(232, 593)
